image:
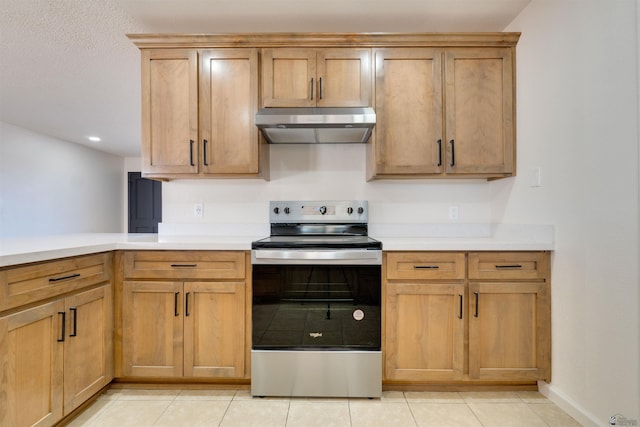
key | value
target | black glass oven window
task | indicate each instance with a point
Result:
(316, 307)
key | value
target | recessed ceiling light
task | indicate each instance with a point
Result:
(94, 139)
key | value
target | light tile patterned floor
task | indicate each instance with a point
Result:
(230, 408)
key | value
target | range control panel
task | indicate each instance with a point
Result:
(327, 211)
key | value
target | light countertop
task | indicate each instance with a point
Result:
(15, 251)
(31, 249)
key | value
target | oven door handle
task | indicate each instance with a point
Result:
(318, 256)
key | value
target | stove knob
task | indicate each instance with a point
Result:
(276, 211)
(287, 211)
(360, 210)
(323, 210)
(349, 211)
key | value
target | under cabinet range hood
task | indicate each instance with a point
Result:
(316, 125)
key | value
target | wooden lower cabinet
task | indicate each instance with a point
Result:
(31, 370)
(88, 346)
(54, 357)
(480, 317)
(425, 331)
(508, 331)
(183, 329)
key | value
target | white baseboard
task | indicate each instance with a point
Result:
(569, 406)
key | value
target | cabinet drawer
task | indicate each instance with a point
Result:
(508, 265)
(425, 265)
(184, 265)
(34, 282)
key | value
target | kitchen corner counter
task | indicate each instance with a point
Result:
(14, 251)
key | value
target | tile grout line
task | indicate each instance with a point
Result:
(404, 396)
(166, 408)
(286, 419)
(226, 410)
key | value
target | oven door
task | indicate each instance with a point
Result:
(303, 307)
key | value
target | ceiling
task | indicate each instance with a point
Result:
(67, 69)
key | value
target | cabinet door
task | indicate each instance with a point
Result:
(289, 77)
(228, 105)
(88, 359)
(152, 329)
(424, 331)
(509, 330)
(408, 103)
(480, 111)
(31, 366)
(169, 111)
(214, 334)
(344, 78)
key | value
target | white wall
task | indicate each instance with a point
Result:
(578, 121)
(49, 186)
(316, 172)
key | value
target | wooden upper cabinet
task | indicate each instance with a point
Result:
(198, 113)
(443, 112)
(445, 102)
(408, 104)
(228, 106)
(480, 111)
(300, 77)
(170, 111)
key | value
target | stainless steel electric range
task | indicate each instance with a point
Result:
(316, 325)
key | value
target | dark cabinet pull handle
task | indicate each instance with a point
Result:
(184, 265)
(509, 266)
(75, 321)
(204, 152)
(439, 152)
(191, 153)
(175, 304)
(476, 311)
(64, 324)
(429, 267)
(311, 88)
(57, 279)
(320, 89)
(453, 153)
(460, 307)
(186, 304)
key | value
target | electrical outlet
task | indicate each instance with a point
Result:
(198, 209)
(453, 213)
